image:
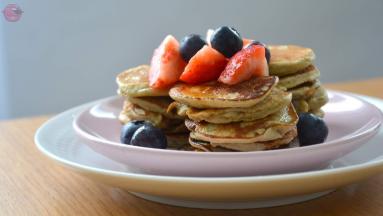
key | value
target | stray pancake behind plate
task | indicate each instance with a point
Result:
(288, 59)
(219, 95)
(134, 83)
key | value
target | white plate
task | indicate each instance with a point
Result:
(57, 140)
(100, 128)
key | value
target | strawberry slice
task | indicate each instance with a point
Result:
(245, 64)
(206, 65)
(166, 65)
(246, 41)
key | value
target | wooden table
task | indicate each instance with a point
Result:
(31, 184)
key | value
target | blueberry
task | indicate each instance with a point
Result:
(226, 40)
(149, 136)
(267, 51)
(311, 129)
(190, 46)
(128, 130)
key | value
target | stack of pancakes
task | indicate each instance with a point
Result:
(249, 116)
(297, 74)
(148, 104)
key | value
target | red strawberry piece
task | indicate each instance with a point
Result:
(245, 64)
(206, 65)
(246, 41)
(167, 64)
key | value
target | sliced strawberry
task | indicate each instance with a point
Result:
(166, 65)
(206, 65)
(246, 41)
(246, 63)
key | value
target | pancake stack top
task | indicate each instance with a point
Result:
(145, 103)
(249, 116)
(297, 74)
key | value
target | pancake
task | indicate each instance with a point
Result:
(219, 95)
(266, 134)
(155, 104)
(132, 112)
(269, 128)
(288, 59)
(134, 83)
(275, 101)
(308, 74)
(318, 112)
(256, 146)
(305, 90)
(319, 99)
(312, 104)
(301, 106)
(203, 146)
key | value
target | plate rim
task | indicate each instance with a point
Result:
(374, 164)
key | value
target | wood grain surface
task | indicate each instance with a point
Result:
(31, 184)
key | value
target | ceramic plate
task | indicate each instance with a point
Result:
(57, 140)
(351, 121)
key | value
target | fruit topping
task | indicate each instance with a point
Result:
(128, 130)
(246, 41)
(267, 51)
(206, 65)
(246, 63)
(226, 40)
(190, 46)
(149, 136)
(166, 65)
(143, 133)
(311, 129)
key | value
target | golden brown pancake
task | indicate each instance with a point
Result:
(274, 102)
(318, 112)
(319, 99)
(288, 59)
(257, 146)
(134, 82)
(313, 103)
(305, 90)
(271, 127)
(155, 104)
(132, 112)
(219, 95)
(301, 105)
(308, 74)
(271, 132)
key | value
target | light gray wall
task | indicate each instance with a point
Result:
(4, 105)
(66, 52)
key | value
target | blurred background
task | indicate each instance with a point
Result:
(64, 53)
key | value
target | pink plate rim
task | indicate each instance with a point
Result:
(367, 130)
